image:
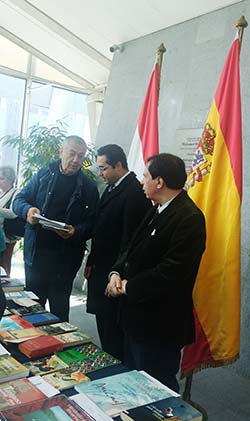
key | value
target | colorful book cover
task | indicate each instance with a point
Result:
(20, 335)
(89, 356)
(66, 378)
(166, 409)
(56, 408)
(11, 369)
(17, 392)
(123, 391)
(45, 365)
(41, 318)
(15, 308)
(14, 322)
(74, 338)
(58, 328)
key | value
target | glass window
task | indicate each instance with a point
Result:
(13, 56)
(49, 104)
(11, 108)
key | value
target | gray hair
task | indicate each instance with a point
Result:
(9, 173)
(74, 138)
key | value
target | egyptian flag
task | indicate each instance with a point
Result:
(215, 185)
(145, 142)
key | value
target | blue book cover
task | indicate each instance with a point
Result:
(123, 391)
(11, 284)
(166, 409)
(41, 318)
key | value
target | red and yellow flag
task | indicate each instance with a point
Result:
(215, 185)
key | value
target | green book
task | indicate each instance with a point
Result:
(88, 356)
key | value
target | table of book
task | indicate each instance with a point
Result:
(104, 388)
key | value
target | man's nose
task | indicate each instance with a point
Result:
(76, 158)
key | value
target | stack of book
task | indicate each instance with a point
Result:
(11, 284)
(11, 369)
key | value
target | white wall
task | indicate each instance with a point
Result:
(192, 65)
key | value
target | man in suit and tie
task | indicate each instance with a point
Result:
(156, 274)
(121, 208)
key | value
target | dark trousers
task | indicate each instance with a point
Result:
(160, 360)
(110, 334)
(50, 279)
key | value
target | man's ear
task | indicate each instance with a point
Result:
(118, 165)
(160, 183)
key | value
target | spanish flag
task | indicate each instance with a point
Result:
(215, 185)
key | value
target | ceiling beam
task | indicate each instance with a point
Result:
(61, 31)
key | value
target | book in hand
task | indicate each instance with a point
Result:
(41, 318)
(56, 408)
(41, 346)
(19, 335)
(18, 392)
(66, 378)
(11, 369)
(88, 356)
(11, 284)
(58, 328)
(123, 391)
(45, 365)
(50, 223)
(73, 338)
(14, 322)
(166, 409)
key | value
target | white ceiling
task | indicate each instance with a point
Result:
(75, 36)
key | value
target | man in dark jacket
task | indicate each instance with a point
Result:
(60, 192)
(156, 275)
(121, 208)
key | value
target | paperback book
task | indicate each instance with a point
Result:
(14, 322)
(19, 335)
(50, 223)
(56, 408)
(41, 346)
(88, 357)
(14, 308)
(123, 391)
(17, 392)
(11, 284)
(166, 409)
(11, 369)
(66, 378)
(74, 338)
(58, 328)
(41, 318)
(45, 365)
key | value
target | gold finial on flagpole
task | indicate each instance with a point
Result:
(241, 24)
(159, 56)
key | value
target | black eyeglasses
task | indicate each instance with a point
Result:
(102, 168)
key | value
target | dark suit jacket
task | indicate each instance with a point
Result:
(161, 265)
(119, 214)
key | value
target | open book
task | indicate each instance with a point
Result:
(50, 223)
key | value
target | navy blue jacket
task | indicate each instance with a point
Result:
(80, 211)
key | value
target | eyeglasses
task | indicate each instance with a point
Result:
(101, 168)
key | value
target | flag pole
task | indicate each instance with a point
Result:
(241, 24)
(159, 57)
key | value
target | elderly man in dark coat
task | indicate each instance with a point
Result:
(64, 193)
